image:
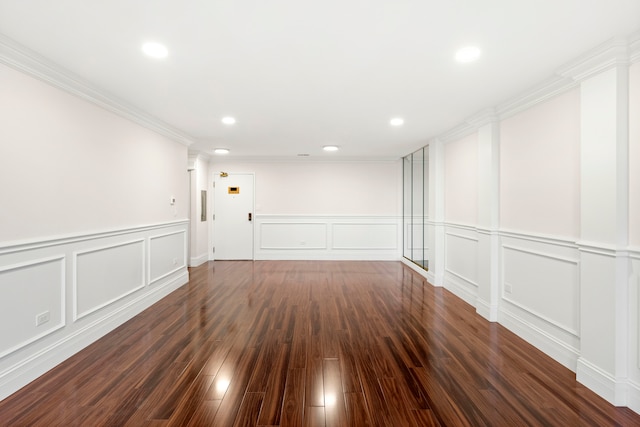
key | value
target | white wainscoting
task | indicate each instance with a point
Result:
(600, 264)
(634, 319)
(540, 293)
(307, 237)
(80, 288)
(29, 289)
(416, 236)
(167, 254)
(105, 275)
(539, 276)
(461, 261)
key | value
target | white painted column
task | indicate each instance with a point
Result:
(604, 213)
(198, 230)
(488, 219)
(436, 212)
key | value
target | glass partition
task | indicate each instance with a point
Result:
(415, 206)
(417, 211)
(407, 191)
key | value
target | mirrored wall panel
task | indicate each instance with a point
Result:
(416, 206)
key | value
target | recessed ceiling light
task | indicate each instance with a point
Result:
(155, 50)
(228, 120)
(468, 54)
(221, 151)
(396, 121)
(330, 148)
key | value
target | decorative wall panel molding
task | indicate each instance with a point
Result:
(32, 244)
(540, 238)
(530, 276)
(106, 274)
(461, 256)
(540, 292)
(362, 236)
(597, 248)
(461, 261)
(167, 254)
(99, 279)
(327, 237)
(293, 235)
(531, 266)
(32, 290)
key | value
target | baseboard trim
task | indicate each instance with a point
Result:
(486, 310)
(599, 381)
(198, 260)
(454, 284)
(27, 370)
(633, 397)
(554, 348)
(333, 256)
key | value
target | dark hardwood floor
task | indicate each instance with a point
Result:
(309, 343)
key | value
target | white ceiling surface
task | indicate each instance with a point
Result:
(300, 74)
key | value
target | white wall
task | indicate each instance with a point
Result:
(88, 237)
(199, 244)
(540, 207)
(634, 232)
(634, 155)
(342, 210)
(322, 187)
(461, 216)
(460, 180)
(68, 166)
(540, 168)
(541, 226)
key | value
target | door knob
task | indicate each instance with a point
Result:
(249, 216)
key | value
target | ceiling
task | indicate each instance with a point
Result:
(299, 74)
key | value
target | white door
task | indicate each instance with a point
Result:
(233, 210)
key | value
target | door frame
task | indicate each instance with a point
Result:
(212, 204)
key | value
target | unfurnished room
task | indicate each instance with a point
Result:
(330, 213)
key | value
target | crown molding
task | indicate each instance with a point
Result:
(470, 125)
(614, 52)
(29, 62)
(483, 117)
(198, 155)
(458, 132)
(193, 158)
(634, 47)
(537, 94)
(609, 54)
(311, 159)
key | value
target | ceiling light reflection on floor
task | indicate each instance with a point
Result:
(330, 399)
(222, 386)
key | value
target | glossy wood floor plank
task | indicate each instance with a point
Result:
(293, 400)
(309, 343)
